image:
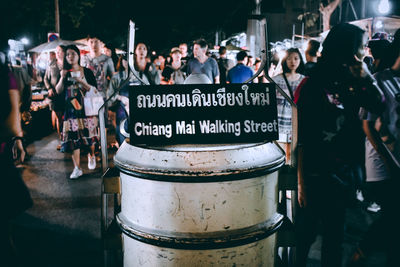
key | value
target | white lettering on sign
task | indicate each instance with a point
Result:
(150, 129)
(254, 127)
(185, 128)
(207, 127)
(199, 99)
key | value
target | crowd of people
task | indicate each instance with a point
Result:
(348, 119)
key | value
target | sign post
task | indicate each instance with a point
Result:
(52, 36)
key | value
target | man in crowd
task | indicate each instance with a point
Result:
(311, 55)
(101, 65)
(183, 48)
(240, 73)
(224, 64)
(201, 63)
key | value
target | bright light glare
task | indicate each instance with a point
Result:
(42, 65)
(384, 6)
(281, 54)
(25, 41)
(304, 45)
(379, 24)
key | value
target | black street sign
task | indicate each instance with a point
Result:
(202, 114)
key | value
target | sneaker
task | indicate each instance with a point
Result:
(91, 162)
(76, 173)
(359, 195)
(374, 207)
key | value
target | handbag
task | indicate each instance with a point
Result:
(92, 102)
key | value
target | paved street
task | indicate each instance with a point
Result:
(63, 227)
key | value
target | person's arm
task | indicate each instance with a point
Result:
(301, 196)
(60, 84)
(216, 72)
(90, 80)
(14, 123)
(47, 83)
(110, 69)
(376, 141)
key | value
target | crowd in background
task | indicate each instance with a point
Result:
(336, 95)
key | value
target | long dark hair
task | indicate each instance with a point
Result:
(68, 66)
(285, 68)
(342, 44)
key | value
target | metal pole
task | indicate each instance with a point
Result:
(352, 9)
(363, 10)
(57, 16)
(293, 34)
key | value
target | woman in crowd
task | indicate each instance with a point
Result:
(292, 69)
(51, 78)
(143, 69)
(15, 197)
(331, 141)
(173, 73)
(79, 130)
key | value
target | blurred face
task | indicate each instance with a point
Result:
(94, 44)
(125, 64)
(361, 52)
(141, 50)
(59, 53)
(183, 48)
(198, 51)
(107, 51)
(72, 57)
(250, 61)
(176, 57)
(161, 59)
(293, 61)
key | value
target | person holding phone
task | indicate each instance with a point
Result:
(79, 131)
(331, 140)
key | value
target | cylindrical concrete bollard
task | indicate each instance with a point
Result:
(199, 205)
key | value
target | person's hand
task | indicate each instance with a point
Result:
(64, 73)
(301, 196)
(51, 93)
(359, 69)
(79, 80)
(19, 151)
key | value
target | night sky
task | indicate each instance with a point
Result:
(161, 24)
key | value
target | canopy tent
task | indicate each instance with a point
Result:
(378, 24)
(51, 46)
(375, 24)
